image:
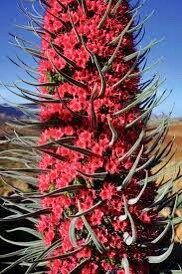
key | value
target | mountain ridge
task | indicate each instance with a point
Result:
(8, 111)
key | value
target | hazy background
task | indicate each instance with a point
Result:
(166, 22)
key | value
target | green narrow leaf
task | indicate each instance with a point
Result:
(163, 233)
(45, 252)
(55, 193)
(159, 259)
(26, 229)
(128, 73)
(118, 40)
(106, 13)
(176, 220)
(12, 254)
(146, 48)
(127, 238)
(132, 170)
(136, 199)
(116, 6)
(13, 264)
(79, 266)
(79, 214)
(61, 256)
(134, 147)
(13, 218)
(114, 133)
(96, 175)
(30, 243)
(125, 265)
(141, 23)
(72, 233)
(98, 245)
(100, 72)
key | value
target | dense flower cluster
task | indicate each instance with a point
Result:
(89, 140)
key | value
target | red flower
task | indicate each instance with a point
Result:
(84, 253)
(90, 269)
(107, 191)
(96, 217)
(107, 266)
(49, 236)
(146, 217)
(91, 158)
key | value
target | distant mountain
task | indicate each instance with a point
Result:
(7, 111)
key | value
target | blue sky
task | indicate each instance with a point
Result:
(166, 22)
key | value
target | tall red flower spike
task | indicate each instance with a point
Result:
(98, 199)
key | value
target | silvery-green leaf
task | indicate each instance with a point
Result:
(132, 170)
(72, 234)
(129, 239)
(160, 258)
(163, 233)
(78, 268)
(26, 229)
(30, 243)
(125, 265)
(133, 201)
